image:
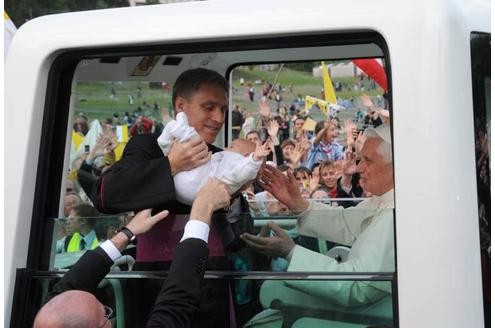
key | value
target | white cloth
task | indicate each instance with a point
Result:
(177, 129)
(369, 229)
(231, 168)
(196, 229)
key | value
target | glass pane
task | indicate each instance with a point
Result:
(252, 302)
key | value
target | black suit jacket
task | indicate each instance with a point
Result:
(179, 296)
(141, 179)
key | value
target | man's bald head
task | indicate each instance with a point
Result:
(72, 309)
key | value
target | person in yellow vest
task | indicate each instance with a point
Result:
(82, 222)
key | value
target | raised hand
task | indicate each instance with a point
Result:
(360, 142)
(349, 166)
(284, 188)
(296, 154)
(272, 129)
(366, 100)
(264, 109)
(261, 151)
(188, 155)
(314, 182)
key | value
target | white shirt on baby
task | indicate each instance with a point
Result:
(231, 168)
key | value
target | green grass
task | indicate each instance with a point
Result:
(94, 98)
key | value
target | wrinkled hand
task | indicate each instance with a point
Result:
(188, 155)
(284, 188)
(273, 128)
(211, 197)
(279, 245)
(264, 109)
(144, 221)
(261, 151)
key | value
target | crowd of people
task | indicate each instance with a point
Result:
(276, 160)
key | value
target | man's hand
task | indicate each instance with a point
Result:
(141, 223)
(261, 151)
(188, 155)
(284, 188)
(211, 197)
(144, 221)
(279, 245)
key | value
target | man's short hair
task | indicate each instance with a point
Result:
(85, 211)
(191, 80)
(253, 132)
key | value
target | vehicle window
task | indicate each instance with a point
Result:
(328, 122)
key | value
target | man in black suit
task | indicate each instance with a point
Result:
(71, 301)
(143, 178)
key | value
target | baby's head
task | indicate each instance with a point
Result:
(241, 146)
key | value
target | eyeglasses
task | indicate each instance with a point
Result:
(108, 315)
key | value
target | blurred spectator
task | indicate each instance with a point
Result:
(237, 122)
(303, 176)
(283, 120)
(142, 125)
(81, 221)
(81, 124)
(287, 147)
(70, 201)
(324, 146)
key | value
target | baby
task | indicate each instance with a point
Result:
(236, 165)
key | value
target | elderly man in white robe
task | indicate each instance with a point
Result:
(368, 228)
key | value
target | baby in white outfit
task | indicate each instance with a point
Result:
(235, 166)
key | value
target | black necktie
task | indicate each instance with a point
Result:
(82, 244)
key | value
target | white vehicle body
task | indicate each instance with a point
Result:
(437, 237)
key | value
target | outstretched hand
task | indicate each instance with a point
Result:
(366, 101)
(143, 221)
(284, 188)
(273, 128)
(278, 245)
(261, 151)
(264, 109)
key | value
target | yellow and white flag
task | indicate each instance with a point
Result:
(8, 34)
(327, 85)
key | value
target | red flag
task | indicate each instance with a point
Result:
(374, 70)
